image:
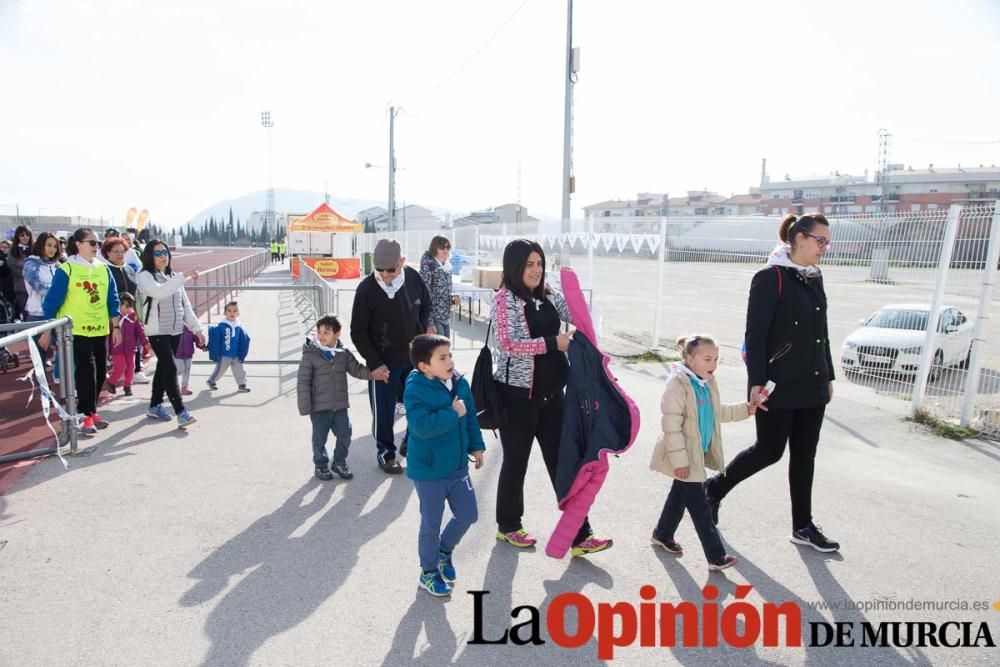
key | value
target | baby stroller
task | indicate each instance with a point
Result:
(7, 317)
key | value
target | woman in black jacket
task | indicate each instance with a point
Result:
(787, 341)
(19, 252)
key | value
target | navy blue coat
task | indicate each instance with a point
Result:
(596, 415)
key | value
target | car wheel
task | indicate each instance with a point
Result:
(968, 357)
(936, 367)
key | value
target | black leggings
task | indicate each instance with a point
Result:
(165, 377)
(530, 418)
(800, 429)
(91, 357)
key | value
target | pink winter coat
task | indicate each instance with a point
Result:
(133, 335)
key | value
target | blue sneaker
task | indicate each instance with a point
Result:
(445, 567)
(159, 412)
(185, 419)
(434, 584)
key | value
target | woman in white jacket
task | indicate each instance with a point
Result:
(167, 310)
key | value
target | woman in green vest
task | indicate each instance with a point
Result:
(84, 289)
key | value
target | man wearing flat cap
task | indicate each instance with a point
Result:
(391, 306)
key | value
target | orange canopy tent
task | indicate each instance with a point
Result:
(324, 219)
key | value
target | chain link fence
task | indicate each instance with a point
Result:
(878, 264)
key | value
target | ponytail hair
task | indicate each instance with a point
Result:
(791, 226)
(76, 237)
(687, 345)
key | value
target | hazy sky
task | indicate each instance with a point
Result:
(110, 104)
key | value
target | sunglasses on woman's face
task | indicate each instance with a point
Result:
(161, 253)
(93, 243)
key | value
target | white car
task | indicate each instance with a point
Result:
(891, 341)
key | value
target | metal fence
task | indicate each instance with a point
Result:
(701, 284)
(325, 299)
(69, 420)
(218, 285)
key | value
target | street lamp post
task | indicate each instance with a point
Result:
(392, 169)
(267, 124)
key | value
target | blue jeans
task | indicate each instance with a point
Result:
(323, 423)
(690, 495)
(457, 491)
(443, 327)
(382, 397)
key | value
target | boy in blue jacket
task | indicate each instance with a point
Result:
(443, 433)
(228, 346)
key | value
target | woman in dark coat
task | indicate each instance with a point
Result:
(787, 342)
(19, 252)
(6, 274)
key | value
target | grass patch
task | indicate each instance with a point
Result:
(941, 427)
(652, 357)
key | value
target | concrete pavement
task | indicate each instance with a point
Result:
(217, 546)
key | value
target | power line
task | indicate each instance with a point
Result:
(944, 141)
(470, 58)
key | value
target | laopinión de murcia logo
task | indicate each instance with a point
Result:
(739, 624)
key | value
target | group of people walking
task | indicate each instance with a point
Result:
(400, 327)
(397, 322)
(126, 305)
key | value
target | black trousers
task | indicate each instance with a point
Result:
(800, 429)
(165, 377)
(539, 417)
(91, 357)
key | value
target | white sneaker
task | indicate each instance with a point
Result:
(140, 378)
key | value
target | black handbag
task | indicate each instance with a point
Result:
(489, 404)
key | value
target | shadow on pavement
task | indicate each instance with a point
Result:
(832, 593)
(290, 577)
(690, 590)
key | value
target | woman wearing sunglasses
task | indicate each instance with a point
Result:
(83, 288)
(787, 341)
(167, 311)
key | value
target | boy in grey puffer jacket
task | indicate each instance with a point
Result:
(322, 394)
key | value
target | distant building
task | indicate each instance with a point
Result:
(408, 218)
(372, 216)
(902, 189)
(644, 204)
(748, 204)
(695, 202)
(905, 189)
(255, 223)
(56, 224)
(505, 213)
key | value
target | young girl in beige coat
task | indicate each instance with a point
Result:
(692, 441)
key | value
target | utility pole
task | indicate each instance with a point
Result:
(882, 175)
(267, 124)
(392, 169)
(572, 66)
